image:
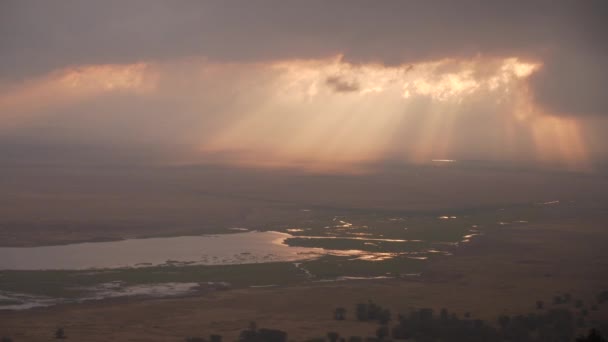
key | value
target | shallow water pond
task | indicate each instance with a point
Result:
(238, 248)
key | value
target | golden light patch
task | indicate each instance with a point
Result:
(68, 86)
(411, 112)
(133, 77)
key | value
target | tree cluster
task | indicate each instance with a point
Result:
(555, 325)
(253, 334)
(371, 311)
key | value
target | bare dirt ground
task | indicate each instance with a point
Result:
(506, 270)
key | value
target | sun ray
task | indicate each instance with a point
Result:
(328, 113)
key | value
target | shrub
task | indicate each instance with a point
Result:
(540, 304)
(195, 339)
(340, 314)
(382, 332)
(60, 333)
(333, 336)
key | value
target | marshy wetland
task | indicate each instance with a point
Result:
(319, 246)
(508, 267)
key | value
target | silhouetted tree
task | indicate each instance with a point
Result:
(372, 312)
(602, 297)
(195, 339)
(382, 332)
(580, 322)
(215, 338)
(60, 333)
(557, 300)
(355, 339)
(443, 315)
(333, 336)
(423, 326)
(503, 321)
(557, 325)
(361, 312)
(271, 335)
(6, 339)
(384, 316)
(540, 304)
(340, 314)
(594, 336)
(578, 303)
(249, 334)
(253, 334)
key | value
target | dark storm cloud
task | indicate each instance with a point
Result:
(573, 83)
(340, 85)
(38, 36)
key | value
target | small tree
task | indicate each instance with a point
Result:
(361, 312)
(60, 333)
(333, 336)
(444, 316)
(503, 321)
(6, 339)
(215, 338)
(594, 336)
(602, 297)
(195, 339)
(271, 335)
(580, 322)
(251, 334)
(382, 332)
(540, 304)
(340, 314)
(384, 316)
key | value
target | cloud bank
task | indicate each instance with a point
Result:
(277, 81)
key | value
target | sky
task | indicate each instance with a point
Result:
(323, 86)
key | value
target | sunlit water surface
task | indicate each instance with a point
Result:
(223, 249)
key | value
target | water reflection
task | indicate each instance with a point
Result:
(238, 248)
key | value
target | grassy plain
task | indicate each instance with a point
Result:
(504, 271)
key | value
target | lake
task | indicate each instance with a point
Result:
(222, 249)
